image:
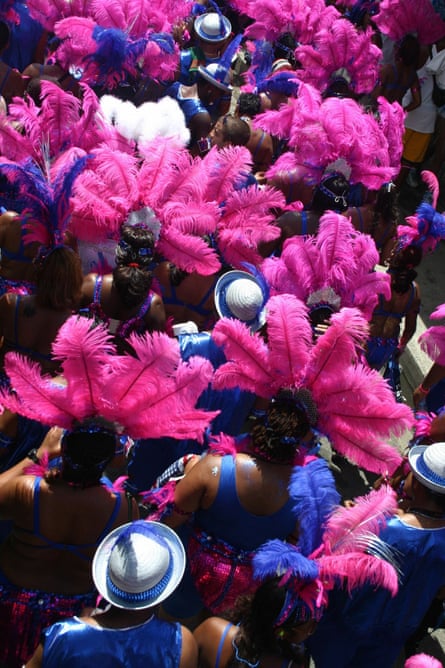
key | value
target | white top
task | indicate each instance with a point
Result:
(422, 119)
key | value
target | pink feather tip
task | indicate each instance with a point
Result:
(423, 661)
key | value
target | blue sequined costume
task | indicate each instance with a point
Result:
(72, 643)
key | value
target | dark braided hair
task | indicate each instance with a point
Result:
(132, 275)
(275, 433)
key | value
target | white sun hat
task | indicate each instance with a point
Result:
(427, 463)
(138, 565)
(212, 27)
(243, 296)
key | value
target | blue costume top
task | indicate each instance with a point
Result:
(379, 349)
(72, 643)
(370, 628)
(227, 519)
(193, 105)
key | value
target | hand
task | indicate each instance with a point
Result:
(51, 444)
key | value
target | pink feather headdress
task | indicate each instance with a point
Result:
(150, 394)
(192, 197)
(335, 267)
(321, 132)
(132, 17)
(354, 405)
(105, 56)
(272, 18)
(341, 47)
(397, 18)
(426, 228)
(350, 552)
(432, 341)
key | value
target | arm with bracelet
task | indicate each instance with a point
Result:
(434, 375)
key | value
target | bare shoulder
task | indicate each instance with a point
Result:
(189, 653)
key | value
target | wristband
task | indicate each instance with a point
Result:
(32, 455)
(422, 389)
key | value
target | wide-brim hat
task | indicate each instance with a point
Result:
(242, 296)
(212, 27)
(218, 76)
(427, 463)
(138, 565)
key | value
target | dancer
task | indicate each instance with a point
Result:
(135, 568)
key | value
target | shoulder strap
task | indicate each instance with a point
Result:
(97, 289)
(221, 644)
(110, 522)
(36, 505)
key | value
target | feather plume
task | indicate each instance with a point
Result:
(16, 146)
(223, 444)
(160, 159)
(312, 489)
(438, 313)
(357, 570)
(58, 114)
(156, 357)
(188, 252)
(247, 363)
(334, 243)
(45, 401)
(109, 14)
(39, 470)
(227, 168)
(290, 338)
(397, 18)
(275, 558)
(367, 516)
(432, 342)
(337, 347)
(84, 350)
(432, 182)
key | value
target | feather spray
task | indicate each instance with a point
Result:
(361, 559)
(118, 388)
(338, 257)
(432, 341)
(397, 18)
(354, 405)
(427, 227)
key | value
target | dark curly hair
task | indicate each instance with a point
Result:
(59, 279)
(132, 275)
(276, 432)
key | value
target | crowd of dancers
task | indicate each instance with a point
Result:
(206, 287)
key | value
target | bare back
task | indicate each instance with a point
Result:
(16, 256)
(67, 515)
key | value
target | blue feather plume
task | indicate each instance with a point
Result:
(262, 60)
(260, 278)
(277, 558)
(312, 488)
(164, 40)
(286, 83)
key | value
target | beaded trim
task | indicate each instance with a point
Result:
(143, 596)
